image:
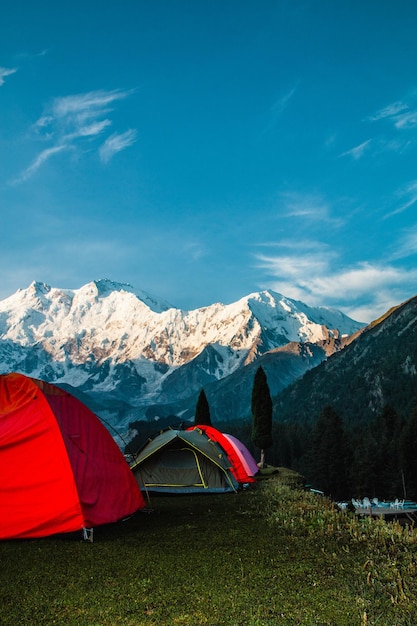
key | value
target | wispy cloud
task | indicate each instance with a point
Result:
(407, 244)
(76, 109)
(30, 55)
(42, 157)
(399, 113)
(400, 116)
(71, 121)
(277, 109)
(408, 198)
(6, 71)
(364, 290)
(406, 120)
(79, 115)
(88, 130)
(358, 151)
(282, 102)
(310, 207)
(115, 143)
(390, 111)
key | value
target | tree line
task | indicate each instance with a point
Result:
(344, 460)
(375, 459)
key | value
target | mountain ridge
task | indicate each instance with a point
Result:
(378, 367)
(110, 341)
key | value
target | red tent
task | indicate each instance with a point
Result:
(60, 469)
(243, 471)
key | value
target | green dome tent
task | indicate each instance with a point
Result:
(182, 461)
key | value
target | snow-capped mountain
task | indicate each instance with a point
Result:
(107, 339)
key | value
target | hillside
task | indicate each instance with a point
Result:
(230, 397)
(379, 367)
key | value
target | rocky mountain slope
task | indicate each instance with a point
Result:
(132, 356)
(377, 368)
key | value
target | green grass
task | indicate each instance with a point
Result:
(272, 555)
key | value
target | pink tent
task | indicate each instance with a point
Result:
(244, 465)
(246, 458)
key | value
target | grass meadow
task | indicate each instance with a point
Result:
(271, 555)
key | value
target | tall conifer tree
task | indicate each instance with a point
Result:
(202, 410)
(261, 414)
(387, 430)
(328, 454)
(408, 456)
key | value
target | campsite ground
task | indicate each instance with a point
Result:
(272, 555)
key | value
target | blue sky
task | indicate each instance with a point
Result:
(202, 150)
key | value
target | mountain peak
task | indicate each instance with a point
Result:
(309, 320)
(105, 286)
(38, 287)
(106, 337)
(266, 296)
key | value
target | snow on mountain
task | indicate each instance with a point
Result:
(296, 321)
(105, 337)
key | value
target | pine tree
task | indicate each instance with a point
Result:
(261, 414)
(202, 411)
(387, 430)
(328, 454)
(364, 465)
(408, 456)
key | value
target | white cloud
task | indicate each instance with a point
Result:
(364, 291)
(399, 113)
(70, 121)
(44, 156)
(399, 145)
(402, 117)
(406, 120)
(72, 115)
(358, 151)
(311, 207)
(407, 246)
(408, 196)
(90, 130)
(115, 143)
(277, 109)
(6, 71)
(390, 111)
(81, 107)
(281, 102)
